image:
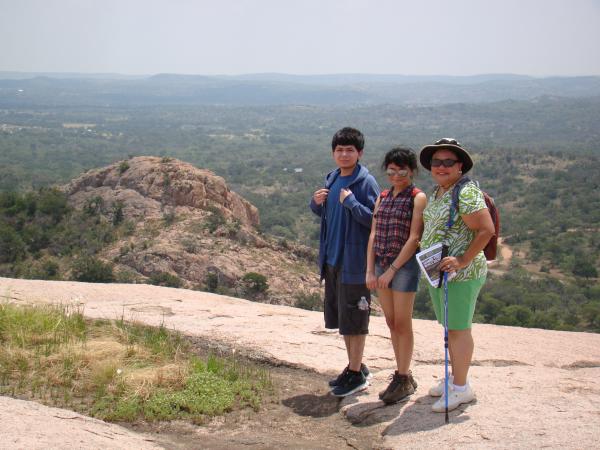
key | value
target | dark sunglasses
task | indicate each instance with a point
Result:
(443, 162)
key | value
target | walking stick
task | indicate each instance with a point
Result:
(446, 343)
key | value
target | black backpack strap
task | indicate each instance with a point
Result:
(454, 203)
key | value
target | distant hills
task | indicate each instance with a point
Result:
(71, 89)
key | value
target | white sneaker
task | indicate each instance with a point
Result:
(438, 389)
(455, 398)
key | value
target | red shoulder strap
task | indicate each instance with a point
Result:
(413, 193)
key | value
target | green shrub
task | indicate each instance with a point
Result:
(93, 206)
(49, 269)
(233, 228)
(12, 247)
(51, 202)
(44, 269)
(118, 215)
(169, 217)
(126, 276)
(309, 301)
(211, 281)
(165, 279)
(215, 220)
(92, 270)
(254, 283)
(190, 245)
(584, 267)
(128, 228)
(515, 315)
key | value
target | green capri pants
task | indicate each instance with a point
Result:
(462, 297)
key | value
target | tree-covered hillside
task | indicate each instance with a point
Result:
(538, 158)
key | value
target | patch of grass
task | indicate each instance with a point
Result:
(43, 328)
(116, 370)
(158, 340)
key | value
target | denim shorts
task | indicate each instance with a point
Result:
(406, 278)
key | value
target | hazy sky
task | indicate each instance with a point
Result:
(451, 37)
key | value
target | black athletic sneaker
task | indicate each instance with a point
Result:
(363, 368)
(351, 382)
(391, 378)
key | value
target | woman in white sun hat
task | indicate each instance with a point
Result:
(448, 161)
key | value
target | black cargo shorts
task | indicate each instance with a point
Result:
(341, 304)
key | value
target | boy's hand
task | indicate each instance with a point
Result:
(320, 196)
(344, 193)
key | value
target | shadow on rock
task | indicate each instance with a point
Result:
(411, 418)
(371, 413)
(418, 417)
(313, 405)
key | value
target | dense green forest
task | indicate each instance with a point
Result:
(41, 237)
(537, 157)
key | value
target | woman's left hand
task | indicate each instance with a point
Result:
(451, 264)
(383, 282)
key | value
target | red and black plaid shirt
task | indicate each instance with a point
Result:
(392, 229)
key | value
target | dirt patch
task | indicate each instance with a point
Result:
(506, 252)
(300, 414)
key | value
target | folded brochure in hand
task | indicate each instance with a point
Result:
(429, 262)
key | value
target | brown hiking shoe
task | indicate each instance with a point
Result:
(391, 378)
(400, 388)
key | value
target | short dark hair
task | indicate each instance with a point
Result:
(402, 157)
(348, 136)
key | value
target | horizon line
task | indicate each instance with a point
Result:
(290, 74)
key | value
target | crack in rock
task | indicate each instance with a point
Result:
(154, 308)
(324, 333)
(478, 362)
(582, 364)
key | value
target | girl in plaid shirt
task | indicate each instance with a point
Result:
(392, 268)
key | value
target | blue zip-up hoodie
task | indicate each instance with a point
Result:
(359, 215)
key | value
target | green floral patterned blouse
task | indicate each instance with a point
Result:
(460, 236)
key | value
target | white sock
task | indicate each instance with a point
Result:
(462, 388)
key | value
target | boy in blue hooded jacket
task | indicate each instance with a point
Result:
(345, 205)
